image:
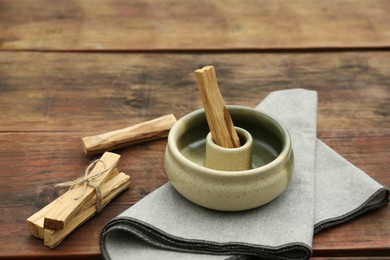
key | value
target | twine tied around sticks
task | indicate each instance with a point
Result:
(87, 180)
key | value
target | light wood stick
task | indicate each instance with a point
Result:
(67, 207)
(218, 117)
(112, 188)
(35, 223)
(146, 131)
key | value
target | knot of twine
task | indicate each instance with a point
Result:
(87, 180)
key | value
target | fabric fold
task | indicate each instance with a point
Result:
(325, 190)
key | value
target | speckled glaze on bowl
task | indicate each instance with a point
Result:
(230, 159)
(269, 176)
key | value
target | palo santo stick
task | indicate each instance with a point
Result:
(67, 207)
(146, 131)
(218, 117)
(35, 223)
(111, 188)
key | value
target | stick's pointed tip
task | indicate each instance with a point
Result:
(204, 69)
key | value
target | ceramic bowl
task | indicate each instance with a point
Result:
(226, 190)
(230, 159)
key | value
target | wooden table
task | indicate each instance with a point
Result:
(69, 69)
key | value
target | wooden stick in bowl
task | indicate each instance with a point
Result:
(218, 117)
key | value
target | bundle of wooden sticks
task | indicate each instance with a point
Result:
(101, 182)
(59, 218)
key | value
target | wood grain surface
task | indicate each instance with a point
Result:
(70, 69)
(192, 24)
(50, 100)
(97, 93)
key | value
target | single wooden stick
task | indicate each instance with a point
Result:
(146, 131)
(53, 238)
(218, 117)
(67, 206)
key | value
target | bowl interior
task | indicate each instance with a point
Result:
(266, 133)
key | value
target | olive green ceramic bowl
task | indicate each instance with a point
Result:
(269, 176)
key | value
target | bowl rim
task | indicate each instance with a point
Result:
(286, 148)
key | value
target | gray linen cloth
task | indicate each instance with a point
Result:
(325, 190)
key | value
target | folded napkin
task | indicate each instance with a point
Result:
(325, 190)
